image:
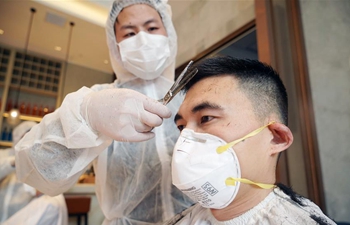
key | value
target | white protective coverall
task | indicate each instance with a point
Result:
(133, 180)
(18, 202)
(277, 208)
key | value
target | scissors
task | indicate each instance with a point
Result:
(180, 82)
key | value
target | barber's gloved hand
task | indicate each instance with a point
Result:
(123, 114)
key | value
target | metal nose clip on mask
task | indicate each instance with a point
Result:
(206, 168)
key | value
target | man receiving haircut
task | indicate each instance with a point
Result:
(233, 124)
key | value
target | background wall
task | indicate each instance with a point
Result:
(78, 76)
(202, 24)
(327, 34)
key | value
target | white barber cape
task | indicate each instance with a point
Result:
(276, 209)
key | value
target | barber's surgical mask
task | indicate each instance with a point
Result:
(206, 168)
(145, 55)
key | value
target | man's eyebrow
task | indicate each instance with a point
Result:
(205, 105)
(197, 108)
(128, 26)
(150, 21)
(124, 27)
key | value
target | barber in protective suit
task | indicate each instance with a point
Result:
(133, 180)
(20, 204)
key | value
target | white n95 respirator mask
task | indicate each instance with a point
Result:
(145, 55)
(207, 170)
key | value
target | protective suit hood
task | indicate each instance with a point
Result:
(164, 10)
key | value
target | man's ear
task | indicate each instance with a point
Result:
(282, 137)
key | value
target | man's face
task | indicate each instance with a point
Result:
(136, 18)
(216, 106)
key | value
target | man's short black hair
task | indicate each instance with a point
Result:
(259, 81)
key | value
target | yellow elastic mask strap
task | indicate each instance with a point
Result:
(223, 148)
(232, 182)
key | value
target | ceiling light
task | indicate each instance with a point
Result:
(2, 31)
(58, 48)
(80, 9)
(105, 62)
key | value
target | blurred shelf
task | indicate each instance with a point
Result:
(26, 117)
(34, 91)
(6, 143)
(78, 188)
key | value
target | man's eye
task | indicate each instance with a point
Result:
(180, 127)
(152, 29)
(205, 119)
(129, 35)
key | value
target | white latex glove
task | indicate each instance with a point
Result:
(123, 114)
